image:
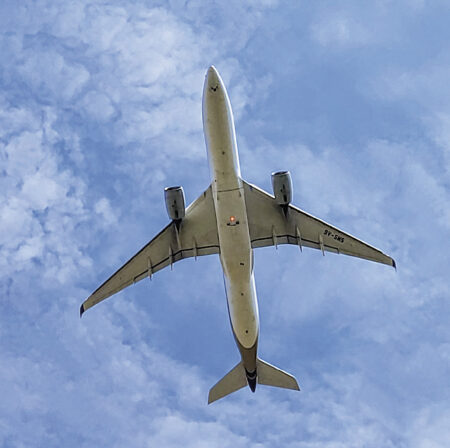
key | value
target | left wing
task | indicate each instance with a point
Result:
(269, 225)
(195, 236)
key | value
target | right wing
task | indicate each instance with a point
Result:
(270, 226)
(196, 236)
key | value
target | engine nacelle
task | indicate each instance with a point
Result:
(282, 187)
(174, 197)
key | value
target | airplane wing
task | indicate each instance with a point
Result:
(196, 236)
(269, 225)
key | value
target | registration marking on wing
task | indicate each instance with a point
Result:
(335, 236)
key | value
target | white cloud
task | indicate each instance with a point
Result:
(98, 97)
(422, 93)
(50, 74)
(340, 30)
(431, 428)
(86, 84)
(392, 196)
(98, 106)
(103, 208)
(357, 25)
(175, 430)
(37, 197)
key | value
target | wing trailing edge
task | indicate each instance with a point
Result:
(196, 235)
(270, 225)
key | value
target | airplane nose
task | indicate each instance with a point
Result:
(213, 78)
(212, 71)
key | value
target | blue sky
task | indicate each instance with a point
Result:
(100, 109)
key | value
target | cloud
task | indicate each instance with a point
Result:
(38, 197)
(353, 319)
(100, 108)
(355, 26)
(92, 92)
(103, 208)
(339, 30)
(430, 428)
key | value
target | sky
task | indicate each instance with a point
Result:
(100, 109)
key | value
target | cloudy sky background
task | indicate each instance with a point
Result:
(100, 109)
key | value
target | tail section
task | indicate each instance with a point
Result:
(238, 377)
(270, 375)
(234, 380)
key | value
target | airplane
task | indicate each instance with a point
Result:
(231, 218)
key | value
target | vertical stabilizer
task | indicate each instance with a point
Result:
(270, 375)
(234, 380)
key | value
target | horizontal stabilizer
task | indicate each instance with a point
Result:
(234, 380)
(270, 375)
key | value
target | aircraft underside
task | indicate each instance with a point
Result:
(231, 218)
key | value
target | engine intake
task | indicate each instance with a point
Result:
(282, 187)
(174, 197)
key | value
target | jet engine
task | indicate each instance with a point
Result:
(174, 197)
(282, 187)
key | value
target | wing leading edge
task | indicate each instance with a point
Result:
(269, 225)
(195, 236)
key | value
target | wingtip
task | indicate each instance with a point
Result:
(394, 264)
(81, 310)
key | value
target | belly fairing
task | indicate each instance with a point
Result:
(237, 262)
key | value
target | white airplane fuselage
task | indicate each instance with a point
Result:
(236, 254)
(226, 219)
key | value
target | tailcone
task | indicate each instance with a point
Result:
(251, 379)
